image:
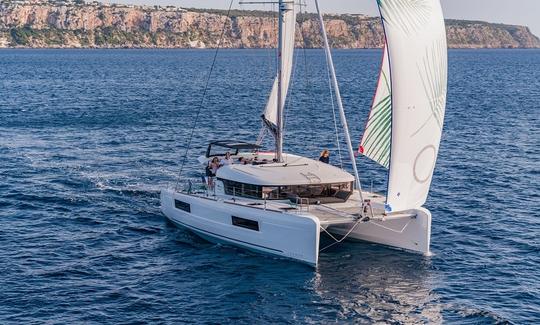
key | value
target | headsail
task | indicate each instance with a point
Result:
(289, 32)
(417, 53)
(375, 142)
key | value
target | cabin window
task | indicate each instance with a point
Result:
(337, 192)
(182, 205)
(242, 190)
(245, 223)
(323, 193)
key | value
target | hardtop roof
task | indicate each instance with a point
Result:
(234, 144)
(296, 170)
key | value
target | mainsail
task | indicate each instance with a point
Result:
(417, 64)
(289, 32)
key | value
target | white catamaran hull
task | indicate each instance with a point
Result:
(274, 232)
(290, 235)
(409, 231)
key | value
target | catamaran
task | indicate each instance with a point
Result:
(281, 204)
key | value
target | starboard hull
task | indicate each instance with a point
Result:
(410, 231)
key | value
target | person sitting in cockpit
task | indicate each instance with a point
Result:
(243, 161)
(227, 160)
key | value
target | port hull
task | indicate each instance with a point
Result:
(293, 236)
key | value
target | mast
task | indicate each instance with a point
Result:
(339, 102)
(279, 132)
(273, 116)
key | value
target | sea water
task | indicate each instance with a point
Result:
(89, 137)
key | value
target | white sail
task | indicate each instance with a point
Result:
(289, 32)
(375, 142)
(417, 52)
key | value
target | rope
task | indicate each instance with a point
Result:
(190, 139)
(337, 241)
(309, 86)
(334, 114)
(262, 134)
(365, 219)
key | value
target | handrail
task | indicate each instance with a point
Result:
(192, 185)
(300, 201)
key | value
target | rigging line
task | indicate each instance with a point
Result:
(272, 64)
(334, 114)
(275, 48)
(337, 241)
(262, 134)
(190, 139)
(332, 102)
(309, 87)
(308, 84)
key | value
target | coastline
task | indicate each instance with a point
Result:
(49, 24)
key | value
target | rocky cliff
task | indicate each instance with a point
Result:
(36, 23)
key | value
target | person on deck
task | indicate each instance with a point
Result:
(325, 156)
(211, 171)
(243, 161)
(227, 160)
(214, 165)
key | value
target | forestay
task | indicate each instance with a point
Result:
(417, 64)
(287, 56)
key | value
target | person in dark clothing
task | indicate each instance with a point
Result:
(325, 156)
(211, 170)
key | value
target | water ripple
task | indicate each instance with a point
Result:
(88, 138)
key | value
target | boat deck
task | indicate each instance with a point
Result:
(328, 214)
(334, 214)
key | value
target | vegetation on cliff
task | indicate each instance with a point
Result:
(76, 24)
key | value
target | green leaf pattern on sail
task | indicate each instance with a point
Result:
(376, 141)
(433, 73)
(408, 16)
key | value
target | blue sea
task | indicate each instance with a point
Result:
(89, 137)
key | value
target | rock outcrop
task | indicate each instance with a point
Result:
(67, 24)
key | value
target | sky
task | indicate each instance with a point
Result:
(518, 12)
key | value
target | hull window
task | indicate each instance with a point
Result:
(182, 206)
(245, 223)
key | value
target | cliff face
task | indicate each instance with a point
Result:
(477, 34)
(68, 24)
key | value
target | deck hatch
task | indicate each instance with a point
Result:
(245, 223)
(182, 206)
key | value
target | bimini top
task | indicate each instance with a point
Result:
(295, 171)
(230, 144)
